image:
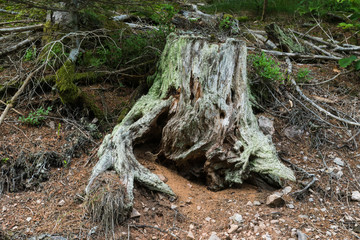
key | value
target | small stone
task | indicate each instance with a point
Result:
(291, 206)
(28, 219)
(339, 162)
(52, 125)
(266, 125)
(191, 227)
(274, 221)
(146, 209)
(189, 185)
(355, 196)
(275, 200)
(233, 228)
(287, 190)
(293, 132)
(14, 228)
(135, 213)
(214, 237)
(256, 203)
(173, 206)
(190, 236)
(339, 174)
(198, 208)
(304, 216)
(162, 178)
(208, 219)
(4, 209)
(61, 202)
(249, 203)
(311, 199)
(262, 225)
(237, 218)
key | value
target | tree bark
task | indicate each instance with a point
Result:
(199, 107)
(263, 15)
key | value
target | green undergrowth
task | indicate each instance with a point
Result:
(255, 6)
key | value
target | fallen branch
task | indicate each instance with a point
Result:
(17, 94)
(297, 55)
(1, 101)
(346, 49)
(317, 48)
(308, 175)
(263, 39)
(141, 26)
(21, 29)
(17, 46)
(316, 39)
(327, 113)
(302, 191)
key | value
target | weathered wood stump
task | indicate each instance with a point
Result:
(199, 105)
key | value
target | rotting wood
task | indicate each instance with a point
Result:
(199, 108)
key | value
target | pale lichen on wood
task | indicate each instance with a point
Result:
(209, 131)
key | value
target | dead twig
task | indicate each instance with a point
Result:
(1, 101)
(327, 113)
(298, 55)
(308, 175)
(17, 94)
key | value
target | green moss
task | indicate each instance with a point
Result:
(72, 95)
(243, 18)
(123, 113)
(68, 91)
(49, 30)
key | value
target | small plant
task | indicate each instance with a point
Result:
(303, 75)
(4, 160)
(65, 163)
(267, 68)
(352, 60)
(30, 54)
(226, 22)
(37, 117)
(58, 130)
(163, 13)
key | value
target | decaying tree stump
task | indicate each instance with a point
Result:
(199, 105)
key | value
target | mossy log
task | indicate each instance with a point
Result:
(70, 93)
(287, 42)
(199, 106)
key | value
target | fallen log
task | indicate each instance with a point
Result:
(199, 114)
(21, 29)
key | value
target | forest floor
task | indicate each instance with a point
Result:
(46, 209)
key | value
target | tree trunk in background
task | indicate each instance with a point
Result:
(263, 15)
(198, 110)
